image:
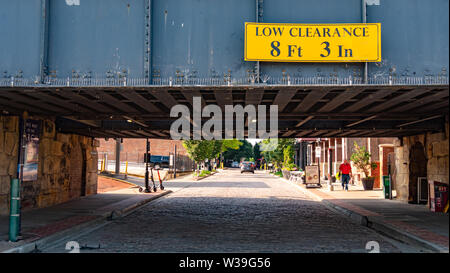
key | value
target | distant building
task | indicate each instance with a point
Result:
(133, 149)
(335, 150)
(411, 160)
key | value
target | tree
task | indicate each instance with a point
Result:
(256, 152)
(201, 150)
(288, 153)
(362, 159)
(230, 144)
(198, 150)
(245, 151)
(277, 152)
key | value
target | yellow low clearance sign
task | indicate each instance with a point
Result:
(313, 42)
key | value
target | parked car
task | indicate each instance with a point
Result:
(158, 161)
(247, 167)
(235, 164)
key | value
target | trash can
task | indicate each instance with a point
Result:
(387, 187)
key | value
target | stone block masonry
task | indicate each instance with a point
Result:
(429, 152)
(9, 146)
(67, 166)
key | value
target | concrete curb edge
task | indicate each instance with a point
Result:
(380, 227)
(29, 247)
(118, 179)
(203, 177)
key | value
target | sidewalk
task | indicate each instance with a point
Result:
(46, 224)
(412, 224)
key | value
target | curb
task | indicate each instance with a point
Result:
(203, 177)
(117, 214)
(378, 226)
(140, 176)
(108, 216)
(118, 179)
(395, 233)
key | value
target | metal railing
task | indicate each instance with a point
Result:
(184, 163)
(265, 80)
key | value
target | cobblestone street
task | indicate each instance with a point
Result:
(232, 212)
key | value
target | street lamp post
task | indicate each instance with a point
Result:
(175, 162)
(147, 159)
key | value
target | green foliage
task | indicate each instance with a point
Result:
(200, 150)
(281, 153)
(256, 151)
(290, 167)
(361, 158)
(230, 144)
(245, 151)
(280, 174)
(288, 154)
(202, 173)
(193, 150)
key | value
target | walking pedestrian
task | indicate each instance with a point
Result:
(346, 171)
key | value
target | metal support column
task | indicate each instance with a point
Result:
(14, 215)
(147, 161)
(335, 156)
(43, 56)
(318, 166)
(117, 156)
(364, 20)
(324, 145)
(175, 162)
(330, 159)
(15, 219)
(258, 18)
(148, 41)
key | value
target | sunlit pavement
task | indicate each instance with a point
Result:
(233, 212)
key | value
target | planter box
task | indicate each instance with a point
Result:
(196, 178)
(286, 174)
(368, 183)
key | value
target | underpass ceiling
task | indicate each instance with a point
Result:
(316, 111)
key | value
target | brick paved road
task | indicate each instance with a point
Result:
(230, 212)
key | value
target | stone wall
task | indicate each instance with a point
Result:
(401, 171)
(9, 136)
(436, 150)
(65, 162)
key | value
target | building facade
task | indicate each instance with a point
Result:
(56, 168)
(335, 150)
(406, 159)
(133, 151)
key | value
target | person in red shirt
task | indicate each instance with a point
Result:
(346, 171)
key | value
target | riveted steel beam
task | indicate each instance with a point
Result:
(43, 55)
(148, 41)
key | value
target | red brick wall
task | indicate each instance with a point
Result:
(133, 150)
(376, 173)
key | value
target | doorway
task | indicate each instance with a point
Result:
(417, 168)
(77, 172)
(83, 172)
